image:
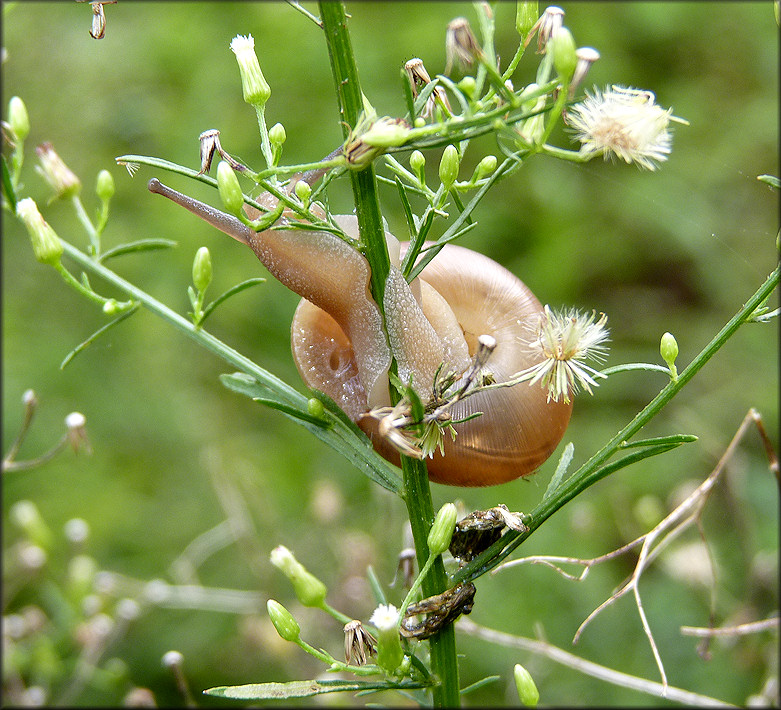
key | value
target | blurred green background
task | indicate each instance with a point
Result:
(175, 454)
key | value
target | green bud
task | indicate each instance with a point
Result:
(230, 190)
(668, 349)
(253, 84)
(527, 690)
(386, 133)
(526, 15)
(18, 118)
(111, 307)
(62, 179)
(287, 627)
(81, 573)
(303, 191)
(442, 529)
(565, 59)
(277, 134)
(467, 86)
(448, 166)
(46, 244)
(389, 651)
(308, 588)
(202, 269)
(104, 186)
(315, 407)
(419, 122)
(485, 167)
(417, 161)
(25, 515)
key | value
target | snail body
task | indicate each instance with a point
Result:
(340, 348)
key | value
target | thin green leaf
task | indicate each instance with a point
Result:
(771, 180)
(92, 338)
(8, 186)
(305, 688)
(238, 288)
(480, 683)
(561, 469)
(140, 245)
(343, 436)
(408, 97)
(376, 587)
(673, 439)
(406, 205)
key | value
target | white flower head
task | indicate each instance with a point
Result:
(385, 616)
(563, 341)
(624, 122)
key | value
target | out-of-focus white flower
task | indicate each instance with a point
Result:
(624, 122)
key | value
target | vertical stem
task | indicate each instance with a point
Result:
(364, 182)
(417, 492)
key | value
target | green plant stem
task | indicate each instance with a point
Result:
(593, 470)
(444, 662)
(81, 213)
(364, 182)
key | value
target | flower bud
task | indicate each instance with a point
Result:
(668, 348)
(565, 57)
(81, 574)
(468, 86)
(527, 690)
(111, 307)
(485, 167)
(76, 423)
(386, 133)
(104, 186)
(526, 16)
(442, 529)
(277, 134)
(308, 588)
(253, 85)
(417, 161)
(18, 119)
(287, 627)
(389, 652)
(230, 190)
(46, 244)
(62, 179)
(303, 191)
(448, 166)
(315, 407)
(202, 269)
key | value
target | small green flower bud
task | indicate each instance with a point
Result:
(417, 161)
(527, 690)
(62, 179)
(668, 349)
(448, 166)
(202, 269)
(419, 122)
(303, 191)
(565, 58)
(468, 86)
(18, 118)
(104, 186)
(230, 190)
(526, 15)
(26, 516)
(308, 588)
(46, 244)
(389, 652)
(485, 167)
(81, 573)
(277, 134)
(287, 627)
(386, 133)
(442, 529)
(315, 407)
(111, 307)
(253, 84)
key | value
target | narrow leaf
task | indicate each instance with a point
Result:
(292, 411)
(406, 205)
(92, 338)
(140, 245)
(304, 688)
(8, 186)
(238, 288)
(673, 439)
(480, 683)
(561, 469)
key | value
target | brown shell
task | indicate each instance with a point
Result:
(519, 428)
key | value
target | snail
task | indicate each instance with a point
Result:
(340, 347)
